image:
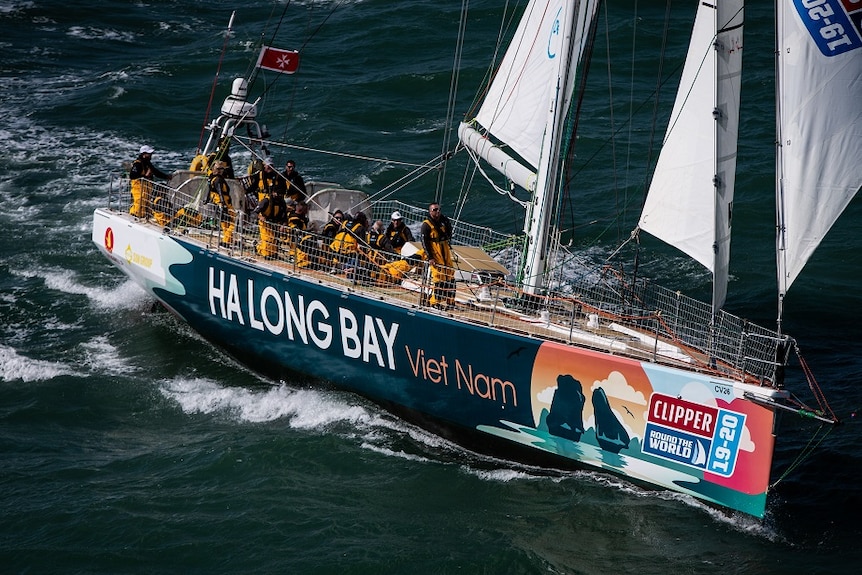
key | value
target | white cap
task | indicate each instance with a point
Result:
(397, 215)
(267, 161)
(145, 149)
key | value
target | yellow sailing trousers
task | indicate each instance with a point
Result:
(268, 245)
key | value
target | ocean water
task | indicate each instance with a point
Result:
(130, 445)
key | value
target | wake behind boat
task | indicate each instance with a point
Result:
(513, 349)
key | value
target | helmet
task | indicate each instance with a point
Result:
(396, 215)
(147, 149)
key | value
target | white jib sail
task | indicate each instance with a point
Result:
(525, 109)
(515, 109)
(819, 124)
(690, 200)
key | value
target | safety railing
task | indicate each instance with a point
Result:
(595, 308)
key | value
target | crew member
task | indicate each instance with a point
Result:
(346, 241)
(219, 191)
(271, 214)
(294, 182)
(333, 226)
(397, 234)
(141, 175)
(265, 180)
(436, 234)
(376, 235)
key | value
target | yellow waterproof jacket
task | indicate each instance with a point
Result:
(435, 239)
(345, 241)
(220, 191)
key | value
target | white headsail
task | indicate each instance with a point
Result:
(690, 200)
(819, 123)
(526, 107)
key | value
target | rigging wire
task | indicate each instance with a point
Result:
(659, 84)
(453, 92)
(631, 114)
(253, 73)
(227, 35)
(626, 125)
(508, 20)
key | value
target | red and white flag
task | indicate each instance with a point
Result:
(277, 60)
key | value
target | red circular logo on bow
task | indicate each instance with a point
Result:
(109, 240)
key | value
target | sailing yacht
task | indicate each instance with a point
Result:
(594, 371)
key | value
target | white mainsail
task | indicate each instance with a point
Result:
(690, 200)
(819, 124)
(525, 110)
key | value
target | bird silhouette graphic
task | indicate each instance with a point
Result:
(515, 352)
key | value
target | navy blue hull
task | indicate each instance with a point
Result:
(490, 389)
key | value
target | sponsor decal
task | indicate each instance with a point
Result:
(109, 240)
(554, 36)
(696, 435)
(834, 25)
(361, 337)
(134, 257)
(439, 370)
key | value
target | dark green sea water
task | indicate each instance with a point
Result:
(130, 445)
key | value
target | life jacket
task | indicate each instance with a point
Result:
(331, 228)
(346, 240)
(137, 170)
(376, 238)
(436, 241)
(267, 182)
(273, 209)
(220, 191)
(397, 237)
(300, 222)
(295, 186)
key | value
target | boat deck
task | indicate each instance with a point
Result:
(594, 309)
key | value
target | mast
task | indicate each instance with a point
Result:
(548, 183)
(690, 200)
(519, 127)
(779, 182)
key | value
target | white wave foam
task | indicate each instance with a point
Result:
(102, 357)
(321, 410)
(400, 454)
(7, 8)
(15, 367)
(127, 295)
(91, 33)
(361, 180)
(505, 475)
(305, 409)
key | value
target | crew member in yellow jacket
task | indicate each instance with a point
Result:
(220, 195)
(346, 242)
(436, 234)
(271, 216)
(265, 180)
(141, 175)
